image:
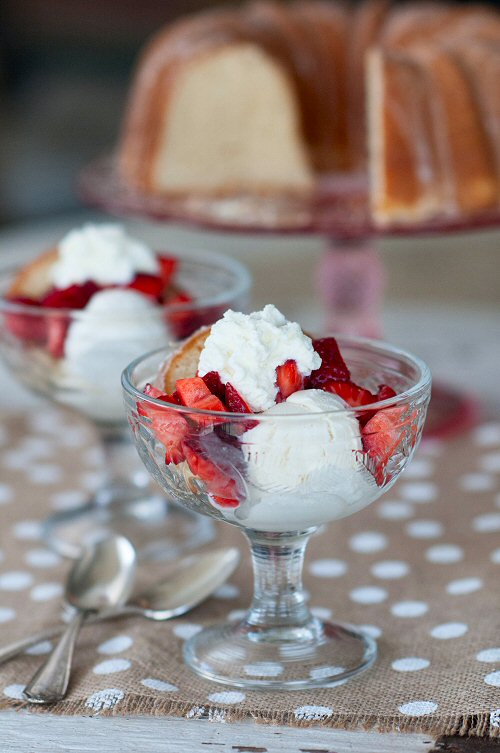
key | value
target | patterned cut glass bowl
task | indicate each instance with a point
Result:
(34, 345)
(279, 478)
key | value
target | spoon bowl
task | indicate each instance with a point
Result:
(103, 576)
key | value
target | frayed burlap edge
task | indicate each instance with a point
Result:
(477, 725)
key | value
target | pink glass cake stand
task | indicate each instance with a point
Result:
(350, 277)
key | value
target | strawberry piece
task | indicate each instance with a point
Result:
(235, 402)
(153, 391)
(332, 367)
(57, 327)
(73, 297)
(219, 484)
(381, 436)
(181, 323)
(213, 381)
(289, 380)
(25, 326)
(192, 390)
(210, 402)
(385, 392)
(150, 285)
(169, 426)
(351, 393)
(168, 267)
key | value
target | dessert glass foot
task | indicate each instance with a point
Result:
(264, 473)
(88, 382)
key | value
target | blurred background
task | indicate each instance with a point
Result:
(65, 67)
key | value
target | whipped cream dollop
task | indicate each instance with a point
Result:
(115, 327)
(306, 469)
(245, 350)
(102, 253)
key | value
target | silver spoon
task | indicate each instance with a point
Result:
(103, 577)
(186, 585)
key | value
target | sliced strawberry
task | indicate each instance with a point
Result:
(57, 327)
(219, 484)
(332, 367)
(25, 326)
(168, 267)
(385, 392)
(235, 402)
(73, 297)
(153, 391)
(150, 285)
(382, 435)
(181, 323)
(289, 380)
(209, 402)
(169, 426)
(354, 395)
(214, 384)
(192, 390)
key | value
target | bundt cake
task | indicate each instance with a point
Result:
(266, 98)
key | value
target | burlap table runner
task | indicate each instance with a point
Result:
(420, 569)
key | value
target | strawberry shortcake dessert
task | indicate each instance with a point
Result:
(274, 424)
(87, 307)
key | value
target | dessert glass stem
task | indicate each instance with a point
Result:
(279, 598)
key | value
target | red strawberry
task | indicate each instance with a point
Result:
(169, 426)
(57, 327)
(192, 390)
(385, 392)
(289, 380)
(182, 323)
(209, 402)
(168, 267)
(332, 367)
(214, 384)
(150, 285)
(73, 297)
(351, 393)
(382, 435)
(25, 326)
(220, 485)
(235, 402)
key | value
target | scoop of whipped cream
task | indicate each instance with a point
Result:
(245, 350)
(115, 327)
(304, 468)
(102, 253)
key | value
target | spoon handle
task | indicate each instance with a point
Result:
(13, 649)
(50, 683)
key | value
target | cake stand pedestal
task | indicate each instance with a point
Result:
(350, 278)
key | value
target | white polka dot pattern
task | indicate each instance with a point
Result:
(418, 708)
(313, 713)
(413, 572)
(368, 542)
(328, 568)
(410, 664)
(449, 630)
(160, 685)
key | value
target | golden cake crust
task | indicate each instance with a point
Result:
(33, 279)
(184, 362)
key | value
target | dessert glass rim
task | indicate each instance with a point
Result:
(422, 383)
(243, 281)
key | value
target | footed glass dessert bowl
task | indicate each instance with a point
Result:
(74, 356)
(279, 475)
